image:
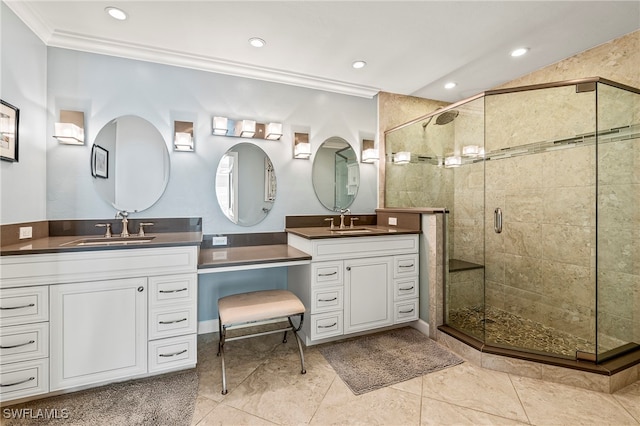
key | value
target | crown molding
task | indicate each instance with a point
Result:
(80, 42)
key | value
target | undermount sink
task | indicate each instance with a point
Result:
(111, 241)
(352, 231)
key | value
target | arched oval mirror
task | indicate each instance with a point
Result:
(245, 184)
(336, 174)
(130, 163)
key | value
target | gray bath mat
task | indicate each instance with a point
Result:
(371, 362)
(164, 400)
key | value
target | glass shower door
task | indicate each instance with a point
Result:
(540, 220)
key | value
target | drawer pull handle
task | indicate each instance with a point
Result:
(328, 326)
(406, 266)
(329, 274)
(406, 289)
(17, 383)
(173, 354)
(174, 291)
(172, 322)
(18, 345)
(30, 305)
(327, 300)
(406, 312)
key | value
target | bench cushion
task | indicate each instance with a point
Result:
(258, 306)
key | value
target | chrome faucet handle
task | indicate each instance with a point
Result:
(142, 225)
(352, 219)
(107, 233)
(329, 219)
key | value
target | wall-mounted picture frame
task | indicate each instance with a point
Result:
(99, 162)
(9, 125)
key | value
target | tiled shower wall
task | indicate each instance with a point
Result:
(550, 198)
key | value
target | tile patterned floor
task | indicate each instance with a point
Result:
(265, 388)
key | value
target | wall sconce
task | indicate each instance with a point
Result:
(70, 129)
(402, 157)
(223, 126)
(453, 161)
(183, 136)
(301, 146)
(472, 151)
(369, 152)
(220, 126)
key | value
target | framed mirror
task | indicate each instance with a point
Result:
(130, 163)
(245, 184)
(336, 174)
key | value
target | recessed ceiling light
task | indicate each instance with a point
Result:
(116, 13)
(519, 52)
(450, 85)
(257, 42)
(359, 64)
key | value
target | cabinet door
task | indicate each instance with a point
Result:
(98, 331)
(368, 300)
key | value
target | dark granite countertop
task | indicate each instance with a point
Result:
(64, 244)
(249, 255)
(317, 232)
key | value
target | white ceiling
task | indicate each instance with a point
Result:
(411, 47)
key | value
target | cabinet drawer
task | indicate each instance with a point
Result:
(24, 342)
(405, 288)
(172, 353)
(405, 311)
(327, 299)
(23, 379)
(24, 305)
(172, 289)
(172, 322)
(326, 325)
(405, 265)
(326, 273)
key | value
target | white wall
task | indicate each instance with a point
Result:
(23, 78)
(106, 87)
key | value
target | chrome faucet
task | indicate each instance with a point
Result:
(343, 212)
(125, 222)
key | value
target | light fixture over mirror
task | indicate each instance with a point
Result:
(183, 136)
(301, 146)
(224, 126)
(369, 152)
(70, 129)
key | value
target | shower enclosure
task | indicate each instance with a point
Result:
(542, 184)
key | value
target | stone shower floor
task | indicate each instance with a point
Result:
(507, 329)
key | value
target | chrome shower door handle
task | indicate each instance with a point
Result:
(497, 220)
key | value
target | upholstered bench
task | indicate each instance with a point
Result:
(256, 307)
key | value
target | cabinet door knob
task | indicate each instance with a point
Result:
(140, 289)
(348, 268)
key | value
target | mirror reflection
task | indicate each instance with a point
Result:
(245, 184)
(336, 174)
(131, 170)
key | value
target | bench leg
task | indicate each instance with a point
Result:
(222, 331)
(295, 329)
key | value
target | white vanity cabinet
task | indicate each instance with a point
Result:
(105, 315)
(98, 332)
(24, 342)
(355, 284)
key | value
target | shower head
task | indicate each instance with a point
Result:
(447, 117)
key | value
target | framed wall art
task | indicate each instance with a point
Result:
(9, 120)
(99, 162)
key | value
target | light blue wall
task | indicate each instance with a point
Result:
(106, 87)
(23, 77)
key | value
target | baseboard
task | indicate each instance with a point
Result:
(421, 326)
(209, 326)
